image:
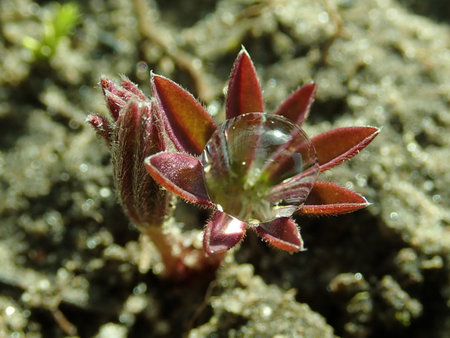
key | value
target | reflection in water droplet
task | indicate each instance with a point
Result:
(259, 167)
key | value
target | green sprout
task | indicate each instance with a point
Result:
(56, 25)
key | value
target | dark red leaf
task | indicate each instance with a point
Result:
(244, 92)
(114, 104)
(222, 232)
(101, 126)
(124, 151)
(180, 174)
(117, 96)
(150, 200)
(281, 233)
(328, 198)
(188, 123)
(107, 85)
(283, 164)
(296, 107)
(131, 87)
(338, 145)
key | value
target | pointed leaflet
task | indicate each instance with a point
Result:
(293, 190)
(180, 174)
(241, 142)
(187, 122)
(101, 126)
(292, 169)
(296, 107)
(244, 92)
(222, 232)
(124, 149)
(115, 104)
(281, 233)
(338, 145)
(328, 198)
(116, 97)
(286, 160)
(150, 200)
(132, 88)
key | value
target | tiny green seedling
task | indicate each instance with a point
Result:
(57, 23)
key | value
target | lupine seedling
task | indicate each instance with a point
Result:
(254, 171)
(132, 132)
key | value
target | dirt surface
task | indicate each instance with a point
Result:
(73, 265)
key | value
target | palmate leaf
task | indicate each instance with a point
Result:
(190, 128)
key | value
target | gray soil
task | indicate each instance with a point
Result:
(71, 264)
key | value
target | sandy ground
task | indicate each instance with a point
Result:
(71, 264)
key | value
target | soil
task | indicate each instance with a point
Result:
(73, 265)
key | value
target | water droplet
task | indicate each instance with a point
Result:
(259, 167)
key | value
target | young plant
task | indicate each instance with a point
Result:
(254, 171)
(257, 169)
(132, 133)
(57, 24)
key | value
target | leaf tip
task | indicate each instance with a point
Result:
(282, 233)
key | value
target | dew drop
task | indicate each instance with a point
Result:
(259, 167)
